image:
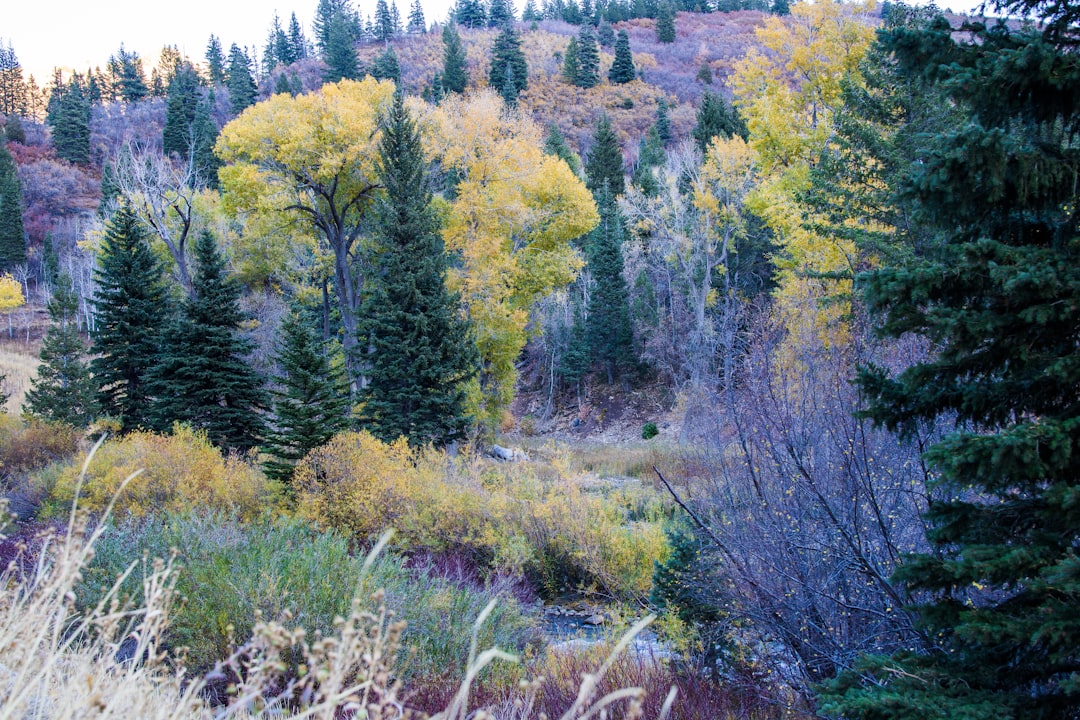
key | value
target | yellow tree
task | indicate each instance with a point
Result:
(513, 215)
(306, 164)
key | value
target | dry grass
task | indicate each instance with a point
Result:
(19, 362)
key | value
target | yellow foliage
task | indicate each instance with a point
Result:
(179, 471)
(11, 295)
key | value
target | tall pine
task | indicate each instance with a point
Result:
(605, 162)
(421, 354)
(454, 76)
(609, 332)
(509, 72)
(241, 84)
(622, 69)
(12, 233)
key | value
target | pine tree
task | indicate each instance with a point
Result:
(13, 99)
(610, 337)
(298, 42)
(555, 144)
(278, 49)
(63, 390)
(326, 13)
(622, 69)
(131, 307)
(312, 403)
(500, 14)
(995, 291)
(340, 53)
(650, 155)
(588, 74)
(14, 130)
(571, 65)
(386, 66)
(203, 378)
(241, 84)
(204, 132)
(605, 34)
(421, 353)
(12, 232)
(181, 105)
(665, 24)
(470, 14)
(663, 122)
(417, 23)
(508, 65)
(530, 14)
(717, 118)
(454, 76)
(605, 162)
(69, 118)
(384, 23)
(215, 62)
(126, 75)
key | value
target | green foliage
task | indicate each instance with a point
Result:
(12, 234)
(203, 378)
(500, 13)
(69, 117)
(717, 118)
(663, 122)
(131, 306)
(63, 390)
(588, 60)
(386, 66)
(215, 62)
(241, 83)
(611, 338)
(326, 13)
(181, 105)
(665, 24)
(383, 25)
(605, 162)
(470, 13)
(454, 76)
(704, 74)
(649, 431)
(509, 72)
(419, 353)
(571, 65)
(555, 144)
(417, 23)
(312, 404)
(622, 69)
(14, 130)
(126, 76)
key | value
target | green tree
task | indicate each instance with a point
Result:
(530, 13)
(204, 132)
(384, 22)
(420, 353)
(995, 289)
(500, 14)
(555, 144)
(63, 390)
(131, 306)
(298, 42)
(610, 336)
(663, 122)
(12, 233)
(417, 23)
(508, 65)
(470, 14)
(588, 74)
(69, 118)
(605, 162)
(14, 130)
(386, 66)
(454, 76)
(665, 24)
(203, 378)
(571, 64)
(717, 118)
(126, 75)
(241, 84)
(622, 69)
(215, 62)
(325, 14)
(340, 52)
(278, 49)
(181, 105)
(13, 100)
(311, 404)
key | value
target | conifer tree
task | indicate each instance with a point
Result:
(663, 122)
(470, 14)
(278, 49)
(131, 307)
(509, 71)
(555, 144)
(454, 77)
(386, 66)
(665, 24)
(384, 22)
(312, 403)
(530, 13)
(417, 23)
(421, 353)
(12, 232)
(340, 53)
(325, 14)
(571, 64)
(588, 74)
(717, 118)
(610, 337)
(298, 42)
(203, 378)
(181, 105)
(605, 34)
(241, 84)
(14, 130)
(500, 14)
(605, 162)
(63, 390)
(13, 98)
(622, 69)
(204, 132)
(215, 62)
(127, 77)
(69, 118)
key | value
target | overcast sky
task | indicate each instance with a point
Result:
(80, 34)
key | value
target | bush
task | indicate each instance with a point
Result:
(179, 472)
(28, 444)
(649, 431)
(231, 575)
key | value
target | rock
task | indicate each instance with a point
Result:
(597, 619)
(508, 454)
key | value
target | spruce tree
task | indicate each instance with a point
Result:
(181, 105)
(995, 290)
(555, 144)
(665, 24)
(14, 130)
(420, 350)
(470, 14)
(12, 233)
(69, 118)
(610, 336)
(622, 69)
(386, 66)
(417, 23)
(298, 42)
(241, 84)
(131, 307)
(571, 64)
(605, 34)
(663, 122)
(215, 62)
(454, 76)
(529, 13)
(311, 404)
(63, 390)
(384, 23)
(508, 64)
(127, 77)
(500, 14)
(588, 74)
(325, 14)
(605, 162)
(340, 53)
(717, 118)
(203, 378)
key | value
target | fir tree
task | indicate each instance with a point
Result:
(605, 162)
(298, 42)
(421, 353)
(588, 74)
(622, 69)
(605, 34)
(14, 130)
(312, 403)
(530, 14)
(282, 85)
(571, 65)
(340, 53)
(63, 390)
(663, 122)
(500, 14)
(278, 50)
(181, 106)
(127, 77)
(717, 118)
(417, 24)
(555, 144)
(69, 118)
(326, 13)
(215, 62)
(12, 233)
(665, 24)
(384, 22)
(454, 76)
(470, 14)
(204, 132)
(386, 66)
(203, 378)
(508, 65)
(242, 89)
(12, 88)
(650, 155)
(611, 339)
(131, 307)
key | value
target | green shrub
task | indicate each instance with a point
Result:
(649, 431)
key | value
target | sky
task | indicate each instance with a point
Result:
(78, 34)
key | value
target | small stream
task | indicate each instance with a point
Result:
(569, 632)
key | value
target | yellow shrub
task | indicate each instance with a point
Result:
(179, 471)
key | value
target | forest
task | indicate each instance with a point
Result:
(595, 359)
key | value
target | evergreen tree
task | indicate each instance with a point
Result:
(665, 24)
(63, 390)
(650, 155)
(126, 75)
(555, 144)
(215, 62)
(454, 76)
(508, 65)
(312, 403)
(605, 162)
(571, 65)
(241, 84)
(298, 42)
(588, 74)
(384, 22)
(14, 130)
(605, 34)
(717, 118)
(530, 14)
(417, 23)
(500, 14)
(12, 233)
(663, 122)
(204, 132)
(470, 14)
(203, 378)
(340, 53)
(13, 100)
(611, 339)
(282, 85)
(131, 307)
(69, 118)
(326, 13)
(622, 69)
(995, 290)
(386, 66)
(181, 106)
(278, 50)
(421, 353)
